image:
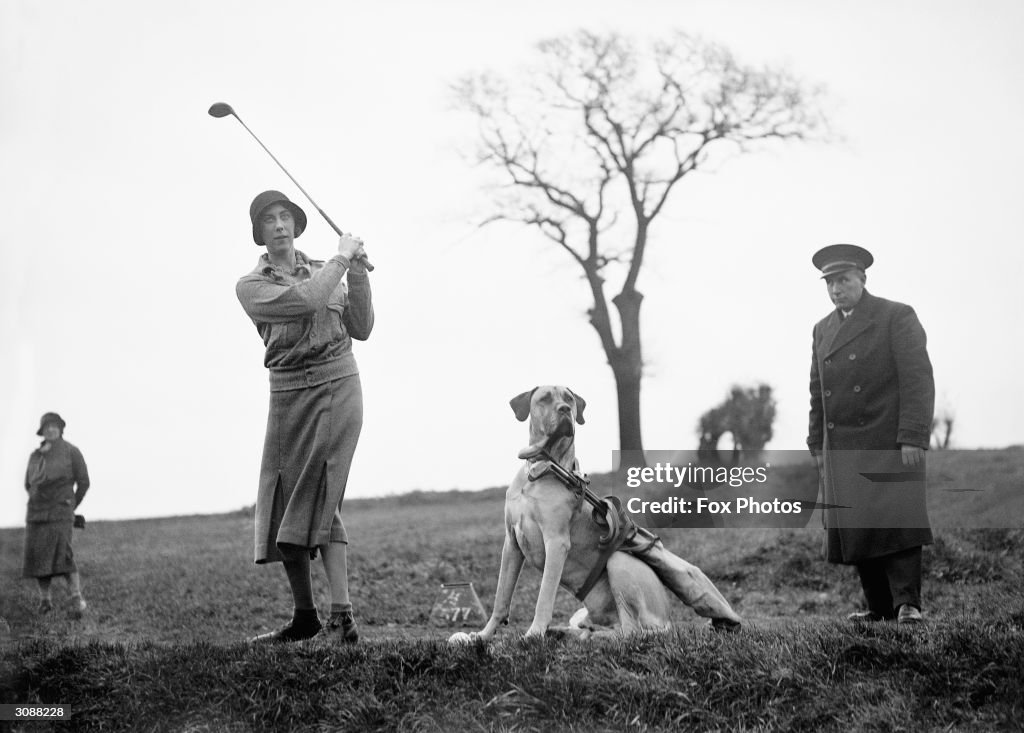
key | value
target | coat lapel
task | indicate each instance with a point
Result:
(862, 318)
(829, 332)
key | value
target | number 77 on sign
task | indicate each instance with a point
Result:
(457, 604)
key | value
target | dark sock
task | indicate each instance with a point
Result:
(305, 624)
(337, 608)
(305, 619)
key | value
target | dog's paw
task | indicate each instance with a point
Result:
(580, 619)
(535, 632)
(461, 638)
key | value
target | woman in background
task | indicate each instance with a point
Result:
(56, 481)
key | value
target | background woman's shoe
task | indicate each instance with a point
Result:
(909, 615)
(78, 606)
(342, 626)
(45, 606)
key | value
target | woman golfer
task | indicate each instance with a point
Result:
(307, 317)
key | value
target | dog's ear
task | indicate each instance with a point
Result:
(521, 404)
(581, 405)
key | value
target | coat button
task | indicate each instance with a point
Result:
(831, 425)
(828, 393)
(852, 357)
(856, 388)
(828, 362)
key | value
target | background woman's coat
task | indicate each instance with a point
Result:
(872, 391)
(56, 481)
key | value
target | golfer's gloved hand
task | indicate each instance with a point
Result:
(359, 262)
(351, 246)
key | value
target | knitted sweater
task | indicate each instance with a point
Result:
(307, 318)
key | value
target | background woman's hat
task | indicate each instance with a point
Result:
(264, 200)
(50, 417)
(837, 258)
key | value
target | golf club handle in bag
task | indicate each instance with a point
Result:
(336, 228)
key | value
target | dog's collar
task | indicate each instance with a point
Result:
(544, 464)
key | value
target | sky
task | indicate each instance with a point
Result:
(126, 227)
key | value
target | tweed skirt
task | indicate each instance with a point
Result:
(311, 438)
(48, 550)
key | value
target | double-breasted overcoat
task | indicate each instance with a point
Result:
(872, 391)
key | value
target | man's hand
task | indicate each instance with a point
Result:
(912, 455)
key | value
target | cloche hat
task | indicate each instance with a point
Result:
(50, 417)
(267, 198)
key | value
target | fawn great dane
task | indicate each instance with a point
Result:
(549, 525)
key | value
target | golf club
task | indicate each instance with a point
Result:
(220, 109)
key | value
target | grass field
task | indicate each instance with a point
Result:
(172, 601)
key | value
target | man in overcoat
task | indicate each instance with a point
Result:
(872, 402)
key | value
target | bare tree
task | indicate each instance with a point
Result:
(590, 146)
(942, 429)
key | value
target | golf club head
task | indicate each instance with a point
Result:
(223, 109)
(220, 109)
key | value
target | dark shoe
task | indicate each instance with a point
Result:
(297, 630)
(342, 626)
(45, 606)
(909, 615)
(725, 624)
(865, 617)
